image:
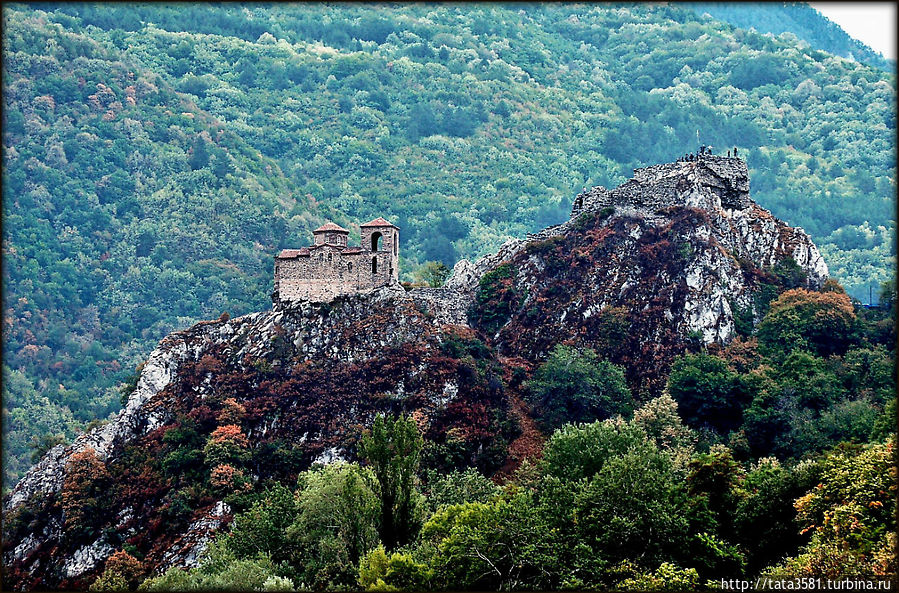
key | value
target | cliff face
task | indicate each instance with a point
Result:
(678, 251)
(670, 256)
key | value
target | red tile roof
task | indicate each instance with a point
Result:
(291, 253)
(330, 226)
(350, 250)
(379, 222)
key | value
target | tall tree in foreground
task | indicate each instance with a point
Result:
(393, 449)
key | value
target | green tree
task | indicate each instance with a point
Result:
(885, 424)
(573, 385)
(707, 392)
(851, 515)
(336, 524)
(199, 154)
(392, 448)
(398, 572)
(458, 487)
(716, 478)
(635, 507)
(887, 296)
(809, 380)
(221, 570)
(765, 522)
(262, 528)
(580, 451)
(432, 274)
(667, 577)
(823, 322)
(660, 420)
(868, 372)
(422, 122)
(318, 534)
(500, 545)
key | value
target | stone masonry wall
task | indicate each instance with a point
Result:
(330, 269)
(445, 304)
(660, 186)
(316, 277)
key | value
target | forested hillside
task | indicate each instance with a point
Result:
(128, 213)
(157, 156)
(799, 19)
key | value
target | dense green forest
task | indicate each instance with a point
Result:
(157, 156)
(797, 18)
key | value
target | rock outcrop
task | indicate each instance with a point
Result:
(673, 255)
(738, 238)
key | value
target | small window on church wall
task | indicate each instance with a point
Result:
(376, 242)
(349, 267)
(374, 265)
(330, 257)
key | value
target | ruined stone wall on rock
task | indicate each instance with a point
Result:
(724, 179)
(447, 305)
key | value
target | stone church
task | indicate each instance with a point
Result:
(330, 268)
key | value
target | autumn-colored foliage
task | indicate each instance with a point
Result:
(232, 412)
(229, 433)
(85, 490)
(820, 321)
(226, 478)
(851, 514)
(226, 444)
(123, 572)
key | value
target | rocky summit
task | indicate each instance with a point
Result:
(677, 255)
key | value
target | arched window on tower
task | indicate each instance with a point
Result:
(374, 265)
(376, 241)
(349, 267)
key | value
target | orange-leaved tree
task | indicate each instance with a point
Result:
(123, 572)
(85, 491)
(851, 516)
(823, 322)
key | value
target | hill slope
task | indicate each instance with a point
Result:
(127, 211)
(157, 156)
(797, 18)
(634, 274)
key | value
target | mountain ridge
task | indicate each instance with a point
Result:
(307, 376)
(471, 126)
(800, 19)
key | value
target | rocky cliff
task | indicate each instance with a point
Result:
(678, 254)
(678, 251)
